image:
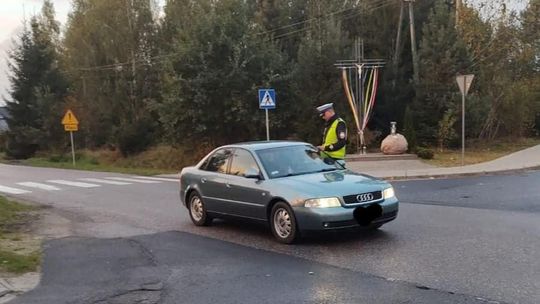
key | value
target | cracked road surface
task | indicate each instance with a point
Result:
(177, 267)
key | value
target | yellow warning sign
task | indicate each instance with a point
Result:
(69, 119)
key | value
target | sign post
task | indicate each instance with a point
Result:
(464, 82)
(267, 125)
(267, 100)
(71, 124)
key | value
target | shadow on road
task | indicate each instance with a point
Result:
(243, 229)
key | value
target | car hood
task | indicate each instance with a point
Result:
(334, 183)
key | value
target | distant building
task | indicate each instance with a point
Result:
(3, 121)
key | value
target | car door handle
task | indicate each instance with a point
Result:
(228, 185)
(203, 180)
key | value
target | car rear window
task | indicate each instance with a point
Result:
(218, 162)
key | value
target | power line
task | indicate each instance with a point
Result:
(305, 21)
(381, 4)
(316, 18)
(372, 6)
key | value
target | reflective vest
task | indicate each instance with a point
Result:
(331, 138)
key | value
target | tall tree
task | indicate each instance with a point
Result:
(502, 80)
(211, 84)
(37, 88)
(443, 55)
(530, 37)
(316, 80)
(111, 55)
(285, 21)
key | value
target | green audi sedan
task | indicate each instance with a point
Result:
(290, 185)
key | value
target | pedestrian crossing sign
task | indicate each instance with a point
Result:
(267, 99)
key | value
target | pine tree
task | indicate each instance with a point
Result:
(210, 86)
(37, 88)
(24, 119)
(443, 55)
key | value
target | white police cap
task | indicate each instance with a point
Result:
(325, 107)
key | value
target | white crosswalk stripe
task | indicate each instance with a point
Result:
(39, 186)
(134, 180)
(10, 190)
(157, 178)
(74, 184)
(104, 181)
(83, 183)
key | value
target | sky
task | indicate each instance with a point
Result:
(13, 12)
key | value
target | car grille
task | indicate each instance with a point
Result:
(363, 198)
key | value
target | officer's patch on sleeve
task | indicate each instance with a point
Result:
(342, 135)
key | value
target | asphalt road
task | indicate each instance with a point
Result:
(455, 241)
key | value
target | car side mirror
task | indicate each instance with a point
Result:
(252, 173)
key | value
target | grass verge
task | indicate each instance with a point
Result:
(478, 152)
(90, 165)
(19, 251)
(157, 160)
(19, 263)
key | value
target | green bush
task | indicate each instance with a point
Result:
(23, 142)
(425, 153)
(3, 141)
(537, 124)
(408, 129)
(135, 137)
(58, 158)
(93, 161)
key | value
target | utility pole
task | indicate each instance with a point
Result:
(416, 78)
(458, 11)
(397, 50)
(129, 10)
(398, 38)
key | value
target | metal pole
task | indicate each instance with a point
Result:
(416, 70)
(362, 96)
(355, 85)
(267, 125)
(72, 147)
(463, 121)
(398, 38)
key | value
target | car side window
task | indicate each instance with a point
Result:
(219, 161)
(241, 162)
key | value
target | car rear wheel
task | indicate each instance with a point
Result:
(283, 223)
(197, 210)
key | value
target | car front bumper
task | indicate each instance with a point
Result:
(316, 219)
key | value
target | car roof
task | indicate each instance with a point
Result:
(261, 145)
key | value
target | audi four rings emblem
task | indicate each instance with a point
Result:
(364, 197)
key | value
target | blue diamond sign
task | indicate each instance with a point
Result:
(267, 99)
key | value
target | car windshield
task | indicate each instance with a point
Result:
(295, 160)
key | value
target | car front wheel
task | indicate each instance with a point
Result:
(283, 223)
(197, 211)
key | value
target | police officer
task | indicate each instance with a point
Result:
(335, 133)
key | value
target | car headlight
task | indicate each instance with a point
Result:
(328, 202)
(389, 193)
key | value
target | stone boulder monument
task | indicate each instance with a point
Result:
(394, 143)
